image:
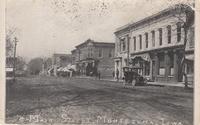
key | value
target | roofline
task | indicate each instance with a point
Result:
(110, 43)
(167, 11)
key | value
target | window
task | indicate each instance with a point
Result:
(100, 52)
(190, 67)
(134, 38)
(178, 31)
(160, 36)
(161, 64)
(169, 33)
(110, 53)
(123, 46)
(153, 38)
(146, 36)
(147, 68)
(140, 37)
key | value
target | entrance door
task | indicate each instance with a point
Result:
(153, 70)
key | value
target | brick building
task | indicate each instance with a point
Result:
(155, 44)
(91, 57)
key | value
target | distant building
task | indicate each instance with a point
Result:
(60, 60)
(91, 57)
(155, 45)
(9, 66)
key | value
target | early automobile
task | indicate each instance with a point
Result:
(131, 73)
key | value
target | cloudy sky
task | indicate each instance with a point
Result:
(45, 27)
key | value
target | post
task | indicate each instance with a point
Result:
(14, 63)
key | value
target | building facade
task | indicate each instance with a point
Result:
(155, 45)
(92, 57)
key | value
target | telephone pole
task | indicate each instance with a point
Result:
(14, 63)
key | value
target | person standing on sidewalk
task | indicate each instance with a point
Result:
(117, 74)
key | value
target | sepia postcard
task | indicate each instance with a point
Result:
(100, 62)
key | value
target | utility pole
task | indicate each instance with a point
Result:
(14, 63)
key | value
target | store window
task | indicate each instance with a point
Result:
(147, 68)
(161, 64)
(110, 53)
(100, 52)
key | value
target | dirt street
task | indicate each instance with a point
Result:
(86, 101)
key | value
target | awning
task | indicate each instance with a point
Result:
(190, 57)
(145, 57)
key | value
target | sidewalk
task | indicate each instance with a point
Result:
(175, 84)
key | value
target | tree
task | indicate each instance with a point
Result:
(10, 33)
(35, 66)
(20, 63)
(186, 24)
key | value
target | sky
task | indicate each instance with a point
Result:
(44, 27)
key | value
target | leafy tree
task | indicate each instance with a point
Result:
(186, 25)
(35, 66)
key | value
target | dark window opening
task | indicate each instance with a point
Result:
(153, 38)
(160, 36)
(140, 37)
(169, 34)
(146, 36)
(134, 38)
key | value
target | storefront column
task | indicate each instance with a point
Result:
(167, 59)
(156, 65)
(151, 68)
(175, 66)
(116, 66)
(120, 69)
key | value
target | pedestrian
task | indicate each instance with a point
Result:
(117, 74)
(99, 74)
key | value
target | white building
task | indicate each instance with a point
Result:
(156, 45)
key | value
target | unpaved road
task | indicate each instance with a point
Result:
(86, 101)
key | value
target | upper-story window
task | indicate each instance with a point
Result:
(160, 36)
(153, 38)
(134, 43)
(178, 31)
(110, 53)
(169, 32)
(140, 37)
(123, 44)
(146, 39)
(100, 52)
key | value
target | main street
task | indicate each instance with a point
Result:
(89, 101)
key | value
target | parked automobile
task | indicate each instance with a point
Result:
(131, 73)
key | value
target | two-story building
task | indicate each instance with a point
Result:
(155, 45)
(91, 57)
